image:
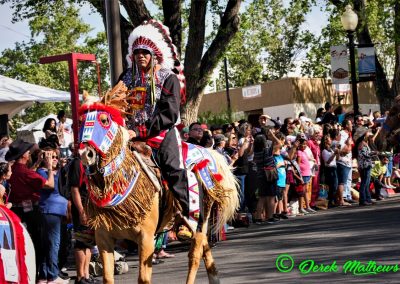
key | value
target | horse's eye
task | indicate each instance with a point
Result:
(104, 120)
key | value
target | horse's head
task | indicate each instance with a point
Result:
(390, 132)
(103, 151)
(101, 126)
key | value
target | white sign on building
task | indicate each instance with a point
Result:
(251, 92)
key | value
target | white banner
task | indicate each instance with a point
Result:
(366, 63)
(342, 88)
(340, 64)
(251, 92)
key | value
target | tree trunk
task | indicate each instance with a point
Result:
(198, 66)
(173, 20)
(136, 10)
(198, 70)
(396, 78)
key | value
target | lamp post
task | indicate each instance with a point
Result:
(349, 21)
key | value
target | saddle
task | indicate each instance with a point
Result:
(148, 164)
(145, 153)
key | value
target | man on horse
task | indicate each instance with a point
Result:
(155, 97)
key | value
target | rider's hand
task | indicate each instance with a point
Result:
(83, 218)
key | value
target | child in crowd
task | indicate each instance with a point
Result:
(378, 172)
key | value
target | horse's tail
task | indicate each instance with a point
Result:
(229, 184)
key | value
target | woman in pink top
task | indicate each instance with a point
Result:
(304, 163)
(314, 145)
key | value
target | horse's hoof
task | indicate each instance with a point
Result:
(213, 279)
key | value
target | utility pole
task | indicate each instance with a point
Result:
(114, 39)
(228, 98)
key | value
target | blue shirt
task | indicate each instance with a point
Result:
(281, 182)
(51, 202)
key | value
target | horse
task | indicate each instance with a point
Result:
(126, 203)
(17, 254)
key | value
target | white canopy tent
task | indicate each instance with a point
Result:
(33, 131)
(16, 95)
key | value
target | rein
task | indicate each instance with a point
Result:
(114, 164)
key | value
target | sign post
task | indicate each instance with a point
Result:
(72, 59)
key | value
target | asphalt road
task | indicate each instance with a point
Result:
(336, 238)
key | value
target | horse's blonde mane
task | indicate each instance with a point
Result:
(230, 195)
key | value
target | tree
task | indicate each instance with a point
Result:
(198, 62)
(57, 29)
(268, 43)
(379, 23)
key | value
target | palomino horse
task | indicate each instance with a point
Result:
(125, 204)
(389, 134)
(17, 254)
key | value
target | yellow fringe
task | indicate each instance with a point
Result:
(135, 207)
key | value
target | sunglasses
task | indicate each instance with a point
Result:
(54, 157)
(141, 51)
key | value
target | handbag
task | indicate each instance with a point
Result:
(270, 171)
(271, 174)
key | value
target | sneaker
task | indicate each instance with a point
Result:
(277, 216)
(272, 220)
(303, 211)
(64, 275)
(82, 281)
(312, 211)
(283, 216)
(58, 280)
(92, 280)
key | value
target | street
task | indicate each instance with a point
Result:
(335, 238)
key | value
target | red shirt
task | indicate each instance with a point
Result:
(25, 184)
(316, 150)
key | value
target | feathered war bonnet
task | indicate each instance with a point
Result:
(153, 36)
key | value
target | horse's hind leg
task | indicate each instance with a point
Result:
(209, 263)
(195, 254)
(106, 245)
(146, 250)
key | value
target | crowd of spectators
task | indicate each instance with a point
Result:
(30, 187)
(303, 165)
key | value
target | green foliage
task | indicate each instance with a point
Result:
(268, 42)
(55, 29)
(221, 118)
(379, 19)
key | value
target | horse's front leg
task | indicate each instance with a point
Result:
(146, 250)
(209, 263)
(195, 254)
(106, 244)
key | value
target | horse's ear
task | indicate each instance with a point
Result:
(88, 99)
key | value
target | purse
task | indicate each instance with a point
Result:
(270, 171)
(271, 174)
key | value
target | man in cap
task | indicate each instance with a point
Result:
(155, 80)
(26, 185)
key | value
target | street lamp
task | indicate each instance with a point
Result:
(349, 21)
